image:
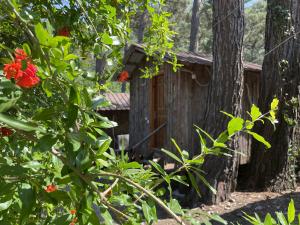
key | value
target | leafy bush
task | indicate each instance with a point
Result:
(280, 219)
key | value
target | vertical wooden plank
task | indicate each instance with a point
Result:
(199, 96)
(178, 107)
(139, 116)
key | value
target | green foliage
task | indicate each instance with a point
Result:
(57, 157)
(254, 27)
(280, 218)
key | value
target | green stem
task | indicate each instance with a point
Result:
(88, 181)
(156, 199)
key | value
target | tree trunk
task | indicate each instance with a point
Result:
(100, 67)
(142, 26)
(272, 169)
(225, 93)
(195, 26)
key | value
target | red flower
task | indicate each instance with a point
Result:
(73, 211)
(64, 31)
(51, 188)
(20, 54)
(25, 78)
(123, 76)
(13, 70)
(5, 131)
(29, 78)
(74, 221)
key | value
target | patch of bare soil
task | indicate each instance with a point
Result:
(250, 203)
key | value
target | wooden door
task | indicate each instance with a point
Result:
(158, 111)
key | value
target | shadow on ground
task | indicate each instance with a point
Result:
(262, 207)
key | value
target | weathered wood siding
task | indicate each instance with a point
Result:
(139, 115)
(199, 97)
(185, 99)
(178, 98)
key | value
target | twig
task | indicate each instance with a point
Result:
(156, 199)
(108, 190)
(88, 181)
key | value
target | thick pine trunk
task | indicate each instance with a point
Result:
(195, 26)
(225, 93)
(272, 169)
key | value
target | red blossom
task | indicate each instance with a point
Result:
(51, 188)
(25, 78)
(29, 78)
(20, 54)
(73, 211)
(5, 131)
(74, 221)
(13, 70)
(64, 31)
(123, 76)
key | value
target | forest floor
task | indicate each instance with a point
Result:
(248, 202)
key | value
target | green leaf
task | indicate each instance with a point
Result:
(223, 137)
(72, 115)
(291, 211)
(45, 143)
(235, 125)
(158, 167)
(268, 220)
(70, 56)
(5, 205)
(28, 200)
(42, 34)
(194, 183)
(228, 114)
(33, 165)
(106, 216)
(149, 212)
(106, 39)
(61, 220)
(180, 179)
(8, 104)
(281, 218)
(274, 104)
(204, 132)
(18, 124)
(177, 147)
(175, 206)
(259, 138)
(172, 155)
(202, 178)
(103, 144)
(218, 218)
(249, 124)
(26, 49)
(255, 112)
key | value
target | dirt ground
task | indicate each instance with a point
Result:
(248, 202)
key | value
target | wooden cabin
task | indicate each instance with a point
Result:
(168, 105)
(117, 111)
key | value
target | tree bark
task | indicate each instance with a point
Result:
(225, 93)
(142, 26)
(195, 26)
(100, 67)
(272, 169)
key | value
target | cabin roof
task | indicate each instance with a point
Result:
(119, 101)
(135, 54)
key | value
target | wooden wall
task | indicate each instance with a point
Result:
(178, 99)
(139, 115)
(185, 102)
